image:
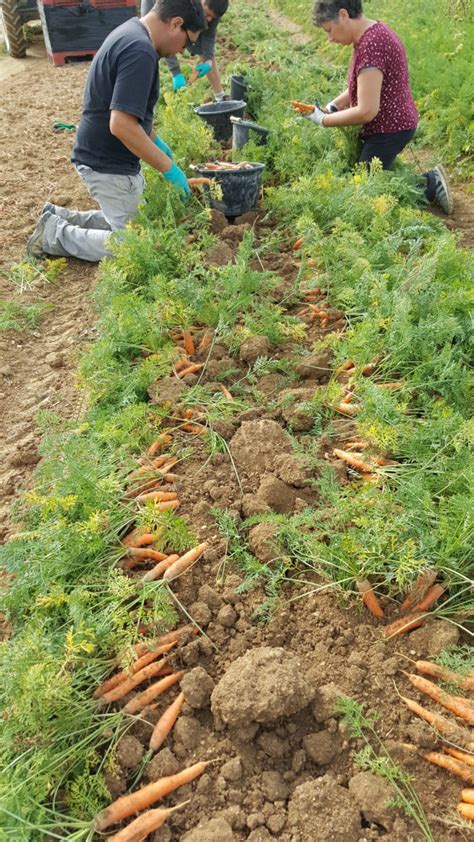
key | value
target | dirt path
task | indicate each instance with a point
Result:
(37, 368)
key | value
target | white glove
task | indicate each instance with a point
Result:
(219, 96)
(317, 116)
(331, 107)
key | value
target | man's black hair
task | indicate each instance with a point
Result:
(191, 11)
(219, 7)
(327, 10)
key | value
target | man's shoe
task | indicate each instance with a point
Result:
(34, 246)
(443, 196)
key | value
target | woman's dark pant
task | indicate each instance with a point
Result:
(386, 147)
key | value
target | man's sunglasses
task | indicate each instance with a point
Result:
(189, 43)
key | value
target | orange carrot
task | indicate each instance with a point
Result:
(182, 363)
(353, 460)
(144, 553)
(168, 637)
(431, 597)
(193, 428)
(170, 478)
(194, 182)
(142, 798)
(422, 584)
(369, 369)
(160, 568)
(405, 624)
(130, 683)
(226, 392)
(163, 439)
(166, 723)
(356, 445)
(302, 107)
(397, 384)
(450, 729)
(445, 674)
(185, 562)
(456, 704)
(369, 599)
(170, 505)
(463, 756)
(141, 700)
(297, 244)
(143, 661)
(347, 366)
(144, 488)
(466, 810)
(191, 369)
(193, 77)
(137, 830)
(205, 342)
(138, 539)
(348, 409)
(157, 496)
(454, 766)
(188, 343)
(467, 795)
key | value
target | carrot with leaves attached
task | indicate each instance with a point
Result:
(188, 343)
(130, 683)
(191, 369)
(421, 586)
(302, 107)
(166, 723)
(127, 805)
(463, 756)
(353, 460)
(466, 682)
(185, 562)
(466, 811)
(442, 725)
(136, 538)
(145, 554)
(159, 568)
(369, 599)
(404, 624)
(467, 796)
(161, 441)
(452, 765)
(143, 699)
(348, 408)
(195, 182)
(137, 830)
(455, 704)
(226, 392)
(142, 661)
(157, 496)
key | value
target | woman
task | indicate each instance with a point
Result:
(378, 94)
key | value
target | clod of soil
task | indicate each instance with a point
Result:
(256, 444)
(322, 811)
(322, 746)
(276, 494)
(296, 408)
(261, 686)
(218, 221)
(219, 255)
(166, 390)
(129, 752)
(235, 233)
(434, 637)
(263, 543)
(316, 366)
(253, 348)
(164, 763)
(325, 701)
(372, 794)
(197, 687)
(215, 830)
(290, 470)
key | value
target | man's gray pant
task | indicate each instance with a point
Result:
(86, 234)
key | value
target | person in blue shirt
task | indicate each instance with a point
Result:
(115, 131)
(205, 48)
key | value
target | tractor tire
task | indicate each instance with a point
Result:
(13, 29)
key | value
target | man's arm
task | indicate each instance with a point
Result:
(172, 64)
(128, 130)
(213, 76)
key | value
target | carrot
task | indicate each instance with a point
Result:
(467, 795)
(348, 409)
(369, 599)
(454, 766)
(135, 539)
(147, 470)
(445, 674)
(451, 730)
(166, 723)
(127, 805)
(226, 392)
(130, 683)
(170, 505)
(194, 182)
(188, 343)
(302, 107)
(141, 700)
(369, 369)
(182, 363)
(466, 811)
(468, 759)
(193, 77)
(193, 428)
(353, 460)
(347, 366)
(191, 369)
(143, 661)
(297, 244)
(137, 830)
(144, 553)
(397, 384)
(185, 562)
(170, 478)
(163, 439)
(205, 342)
(160, 568)
(168, 637)
(157, 496)
(431, 597)
(455, 704)
(404, 624)
(356, 445)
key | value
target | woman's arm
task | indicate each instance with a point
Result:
(369, 88)
(342, 101)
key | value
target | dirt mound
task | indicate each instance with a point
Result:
(322, 811)
(261, 686)
(257, 444)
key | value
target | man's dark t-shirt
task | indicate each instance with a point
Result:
(123, 76)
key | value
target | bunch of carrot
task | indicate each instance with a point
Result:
(219, 166)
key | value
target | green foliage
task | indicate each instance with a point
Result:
(15, 315)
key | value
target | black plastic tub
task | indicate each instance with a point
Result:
(217, 115)
(241, 133)
(238, 87)
(240, 189)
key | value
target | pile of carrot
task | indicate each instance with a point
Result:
(219, 166)
(302, 107)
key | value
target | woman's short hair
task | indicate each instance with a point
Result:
(327, 10)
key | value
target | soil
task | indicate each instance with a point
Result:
(259, 697)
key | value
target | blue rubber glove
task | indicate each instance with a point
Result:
(177, 177)
(178, 82)
(163, 146)
(203, 69)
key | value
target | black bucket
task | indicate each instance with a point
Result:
(238, 87)
(240, 189)
(241, 133)
(217, 115)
